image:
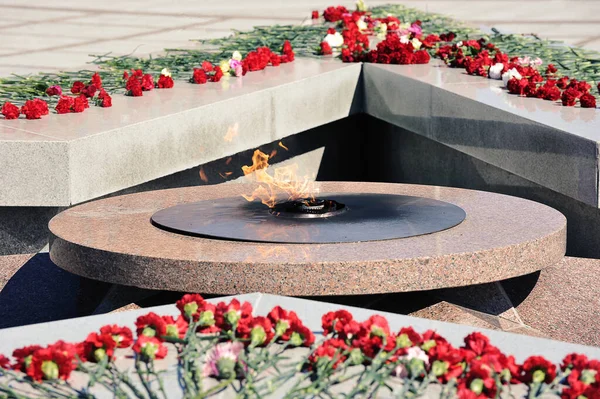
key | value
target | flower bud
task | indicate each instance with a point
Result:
(588, 376)
(281, 327)
(149, 331)
(149, 350)
(190, 308)
(416, 366)
(49, 370)
(403, 341)
(172, 331)
(439, 368)
(207, 319)
(428, 345)
(226, 367)
(232, 317)
(356, 357)
(538, 376)
(99, 354)
(258, 336)
(476, 386)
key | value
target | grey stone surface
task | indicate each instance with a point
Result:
(309, 311)
(527, 137)
(167, 131)
(67, 159)
(400, 160)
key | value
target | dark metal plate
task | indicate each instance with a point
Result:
(370, 217)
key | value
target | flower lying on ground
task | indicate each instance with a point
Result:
(227, 342)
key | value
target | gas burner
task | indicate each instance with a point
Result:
(308, 208)
(348, 218)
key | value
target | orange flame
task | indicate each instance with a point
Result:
(232, 131)
(203, 175)
(284, 180)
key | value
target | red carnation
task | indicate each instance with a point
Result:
(104, 99)
(552, 93)
(333, 322)
(574, 361)
(325, 48)
(96, 347)
(422, 57)
(217, 75)
(199, 76)
(53, 362)
(165, 82)
(23, 357)
(478, 383)
(125, 75)
(10, 111)
(4, 362)
(207, 66)
(538, 369)
(315, 14)
(149, 348)
(77, 87)
(151, 325)
(89, 90)
(55, 90)
(587, 100)
(257, 331)
(176, 328)
(333, 350)
(598, 87)
(287, 50)
(96, 80)
(479, 344)
(80, 104)
(34, 109)
(569, 97)
(334, 14)
(147, 82)
(275, 60)
(562, 82)
(134, 86)
(64, 105)
(550, 69)
(122, 335)
(229, 314)
(190, 304)
(448, 37)
(407, 336)
(300, 335)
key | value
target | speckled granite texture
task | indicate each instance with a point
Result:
(112, 240)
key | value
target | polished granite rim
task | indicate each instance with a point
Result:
(112, 240)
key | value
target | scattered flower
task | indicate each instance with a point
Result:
(10, 111)
(222, 361)
(55, 90)
(149, 348)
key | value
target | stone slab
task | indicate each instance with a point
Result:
(564, 302)
(554, 146)
(309, 311)
(66, 159)
(112, 240)
(48, 162)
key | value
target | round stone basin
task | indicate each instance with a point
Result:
(113, 240)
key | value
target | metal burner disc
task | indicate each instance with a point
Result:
(370, 217)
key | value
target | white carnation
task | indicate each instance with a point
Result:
(495, 71)
(508, 75)
(334, 40)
